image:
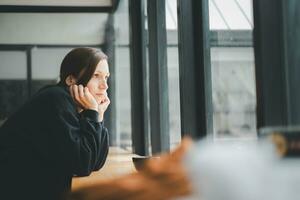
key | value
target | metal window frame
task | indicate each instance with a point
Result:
(158, 76)
(54, 9)
(60, 9)
(29, 69)
(276, 40)
(291, 39)
(231, 38)
(138, 78)
(269, 64)
(194, 68)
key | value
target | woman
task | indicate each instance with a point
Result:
(59, 133)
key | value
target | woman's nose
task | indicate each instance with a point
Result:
(103, 85)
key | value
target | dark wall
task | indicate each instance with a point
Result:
(14, 93)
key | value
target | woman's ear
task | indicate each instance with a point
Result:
(70, 80)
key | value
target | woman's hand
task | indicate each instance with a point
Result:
(83, 97)
(104, 103)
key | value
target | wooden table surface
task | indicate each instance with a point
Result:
(118, 163)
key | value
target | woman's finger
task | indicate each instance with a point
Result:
(76, 93)
(86, 91)
(107, 101)
(81, 93)
(104, 104)
(71, 91)
(89, 99)
(88, 94)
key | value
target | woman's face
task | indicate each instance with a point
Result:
(98, 83)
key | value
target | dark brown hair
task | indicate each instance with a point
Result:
(81, 63)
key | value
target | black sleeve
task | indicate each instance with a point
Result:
(80, 142)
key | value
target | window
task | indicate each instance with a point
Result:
(232, 68)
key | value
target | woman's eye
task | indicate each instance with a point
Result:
(96, 75)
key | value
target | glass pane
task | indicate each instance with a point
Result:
(13, 65)
(173, 72)
(46, 62)
(147, 76)
(13, 82)
(232, 66)
(52, 28)
(174, 97)
(123, 98)
(122, 76)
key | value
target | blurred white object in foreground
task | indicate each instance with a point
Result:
(248, 170)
